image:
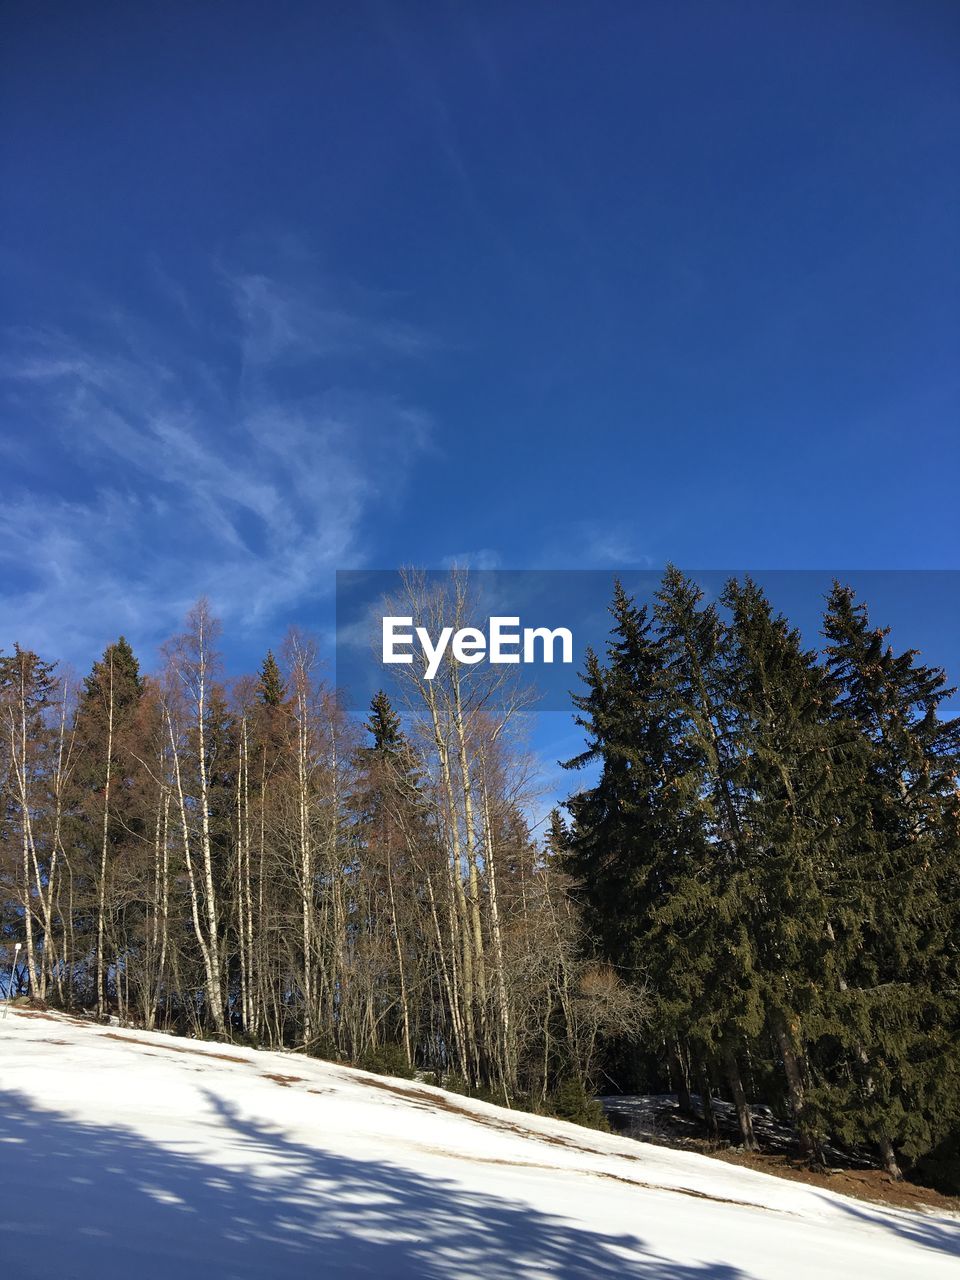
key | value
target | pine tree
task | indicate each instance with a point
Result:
(26, 684)
(897, 916)
(618, 848)
(384, 726)
(557, 838)
(391, 835)
(793, 776)
(105, 825)
(26, 692)
(637, 848)
(220, 742)
(270, 685)
(701, 933)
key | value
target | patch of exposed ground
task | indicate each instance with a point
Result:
(863, 1184)
(445, 1102)
(176, 1048)
(656, 1118)
(473, 1158)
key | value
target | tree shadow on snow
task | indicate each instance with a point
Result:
(82, 1201)
(938, 1233)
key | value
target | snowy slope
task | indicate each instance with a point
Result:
(126, 1154)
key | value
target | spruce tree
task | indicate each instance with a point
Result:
(270, 685)
(104, 822)
(637, 847)
(897, 918)
(26, 686)
(220, 741)
(26, 693)
(392, 835)
(557, 838)
(797, 774)
(617, 850)
(701, 932)
(383, 725)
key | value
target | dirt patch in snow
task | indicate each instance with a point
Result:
(863, 1184)
(473, 1158)
(445, 1102)
(176, 1048)
(656, 1118)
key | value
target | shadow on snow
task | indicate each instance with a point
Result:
(82, 1201)
(939, 1233)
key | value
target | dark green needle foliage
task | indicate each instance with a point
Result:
(270, 686)
(619, 845)
(896, 915)
(773, 842)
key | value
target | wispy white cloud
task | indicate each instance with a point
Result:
(283, 324)
(483, 558)
(614, 543)
(146, 478)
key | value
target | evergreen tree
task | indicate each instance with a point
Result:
(24, 674)
(391, 835)
(26, 694)
(619, 842)
(104, 822)
(557, 838)
(795, 775)
(220, 742)
(897, 919)
(383, 725)
(772, 840)
(701, 933)
(270, 685)
(127, 681)
(637, 847)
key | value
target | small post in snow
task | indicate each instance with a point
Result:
(13, 967)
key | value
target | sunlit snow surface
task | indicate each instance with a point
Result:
(125, 1154)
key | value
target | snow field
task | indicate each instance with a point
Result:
(131, 1154)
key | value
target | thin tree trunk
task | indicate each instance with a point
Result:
(401, 967)
(213, 943)
(508, 1069)
(104, 845)
(706, 1103)
(27, 846)
(679, 1074)
(793, 1071)
(211, 983)
(744, 1119)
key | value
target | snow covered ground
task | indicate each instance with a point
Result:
(125, 1154)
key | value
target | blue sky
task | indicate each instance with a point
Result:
(299, 287)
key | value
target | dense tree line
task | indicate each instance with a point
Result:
(773, 841)
(241, 859)
(757, 896)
